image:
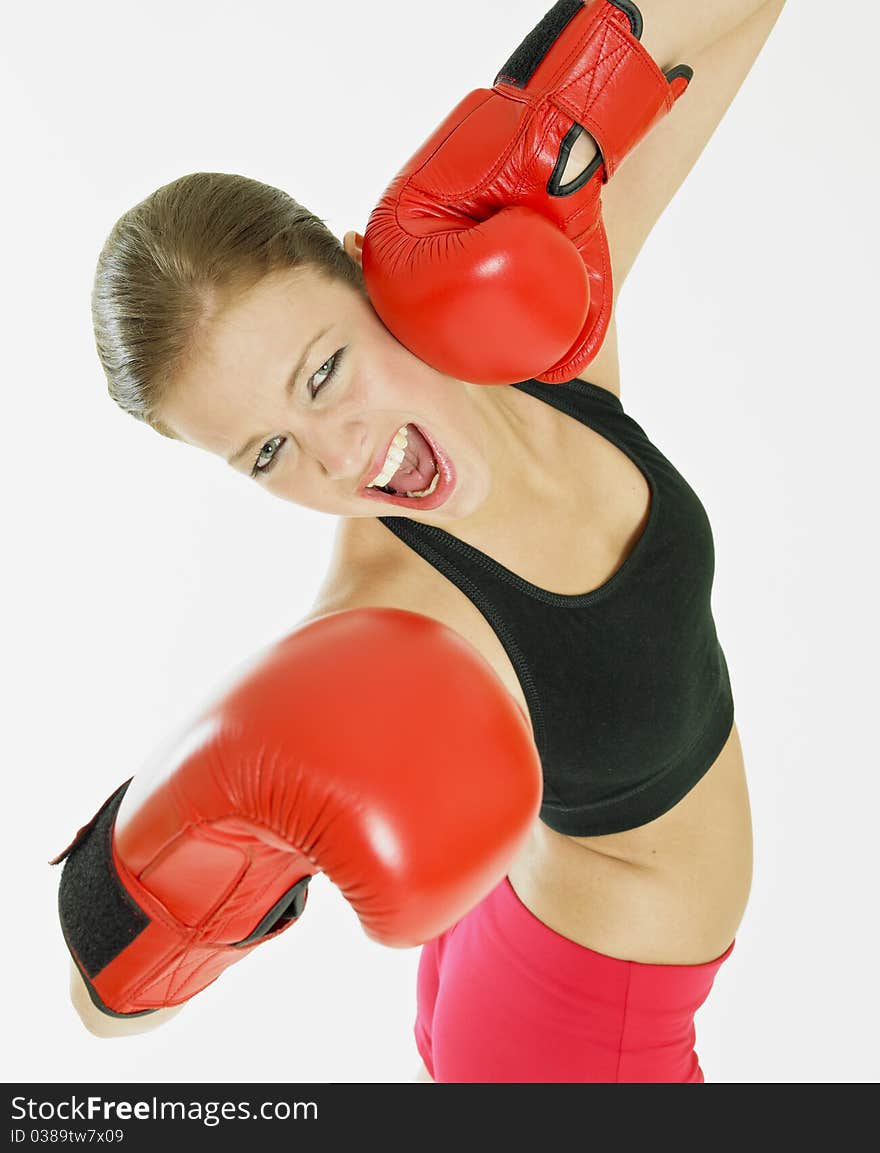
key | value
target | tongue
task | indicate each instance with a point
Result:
(417, 468)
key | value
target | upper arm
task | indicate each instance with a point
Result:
(649, 177)
(634, 199)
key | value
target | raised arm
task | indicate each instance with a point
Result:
(720, 40)
(486, 256)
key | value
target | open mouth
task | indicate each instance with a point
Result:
(422, 475)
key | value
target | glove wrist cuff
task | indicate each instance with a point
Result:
(98, 917)
(587, 60)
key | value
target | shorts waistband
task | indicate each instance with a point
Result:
(647, 982)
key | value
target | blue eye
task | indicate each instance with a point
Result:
(261, 470)
(335, 361)
(328, 373)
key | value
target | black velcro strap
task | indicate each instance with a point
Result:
(98, 917)
(521, 66)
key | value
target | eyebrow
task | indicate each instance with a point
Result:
(288, 389)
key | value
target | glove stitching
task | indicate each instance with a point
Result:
(133, 886)
(157, 913)
(482, 186)
(546, 97)
(591, 207)
(530, 176)
(638, 57)
(169, 983)
(153, 976)
(578, 112)
(600, 28)
(595, 89)
(549, 98)
(175, 973)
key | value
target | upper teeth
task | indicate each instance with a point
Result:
(396, 453)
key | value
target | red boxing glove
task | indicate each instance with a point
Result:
(477, 258)
(375, 745)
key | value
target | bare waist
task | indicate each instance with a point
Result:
(672, 891)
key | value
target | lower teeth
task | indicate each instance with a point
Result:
(431, 487)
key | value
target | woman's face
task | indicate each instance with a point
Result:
(299, 385)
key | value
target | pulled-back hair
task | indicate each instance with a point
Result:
(176, 260)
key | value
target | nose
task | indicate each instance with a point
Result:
(341, 450)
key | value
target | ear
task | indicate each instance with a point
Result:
(353, 244)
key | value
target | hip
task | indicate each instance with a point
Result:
(503, 998)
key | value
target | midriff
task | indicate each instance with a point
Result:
(672, 891)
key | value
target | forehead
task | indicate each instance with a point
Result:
(243, 353)
(280, 306)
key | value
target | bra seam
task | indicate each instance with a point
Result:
(546, 596)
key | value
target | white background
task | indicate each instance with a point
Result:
(138, 572)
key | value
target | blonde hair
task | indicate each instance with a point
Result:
(174, 261)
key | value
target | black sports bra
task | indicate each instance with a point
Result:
(627, 686)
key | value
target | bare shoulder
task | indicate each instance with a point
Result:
(373, 568)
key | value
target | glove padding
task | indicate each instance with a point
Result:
(375, 745)
(477, 258)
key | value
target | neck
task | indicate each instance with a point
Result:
(519, 441)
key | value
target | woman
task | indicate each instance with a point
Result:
(589, 961)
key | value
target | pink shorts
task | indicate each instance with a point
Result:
(503, 997)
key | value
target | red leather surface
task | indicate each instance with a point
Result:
(468, 258)
(412, 801)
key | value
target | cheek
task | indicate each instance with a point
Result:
(396, 378)
(307, 493)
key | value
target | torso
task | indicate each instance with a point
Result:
(672, 891)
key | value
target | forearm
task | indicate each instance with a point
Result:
(101, 1024)
(675, 31)
(640, 191)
